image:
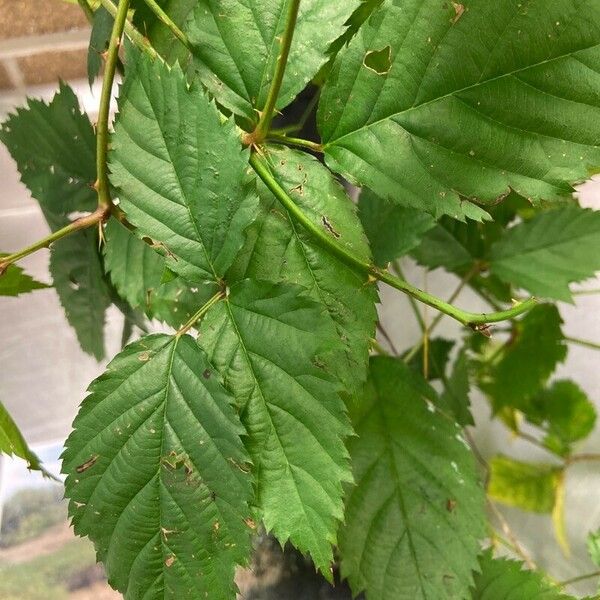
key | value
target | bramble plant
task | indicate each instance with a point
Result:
(466, 126)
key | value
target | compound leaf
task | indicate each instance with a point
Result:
(278, 249)
(180, 172)
(157, 475)
(236, 46)
(441, 124)
(270, 342)
(547, 253)
(415, 516)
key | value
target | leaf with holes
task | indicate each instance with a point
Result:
(271, 343)
(238, 69)
(157, 475)
(278, 249)
(415, 516)
(180, 172)
(429, 112)
(547, 253)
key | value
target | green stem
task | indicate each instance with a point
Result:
(476, 321)
(584, 343)
(132, 33)
(83, 223)
(294, 128)
(112, 57)
(379, 348)
(579, 578)
(86, 8)
(294, 141)
(200, 313)
(164, 18)
(413, 303)
(268, 110)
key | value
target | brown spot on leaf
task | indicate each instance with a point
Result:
(459, 10)
(329, 227)
(206, 374)
(450, 505)
(169, 561)
(88, 464)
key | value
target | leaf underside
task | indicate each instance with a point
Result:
(469, 116)
(157, 475)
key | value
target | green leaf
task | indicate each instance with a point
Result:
(55, 150)
(15, 281)
(99, 40)
(163, 41)
(76, 269)
(135, 268)
(438, 354)
(270, 342)
(180, 172)
(451, 124)
(455, 397)
(280, 250)
(13, 443)
(503, 579)
(529, 486)
(236, 46)
(415, 516)
(565, 413)
(527, 360)
(393, 230)
(552, 250)
(593, 544)
(157, 475)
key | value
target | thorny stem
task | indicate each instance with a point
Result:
(584, 343)
(413, 303)
(200, 313)
(294, 141)
(162, 16)
(268, 110)
(112, 56)
(477, 321)
(83, 223)
(132, 33)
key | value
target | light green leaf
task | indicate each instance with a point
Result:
(270, 342)
(13, 443)
(415, 516)
(552, 250)
(163, 41)
(455, 397)
(503, 579)
(564, 412)
(443, 125)
(15, 281)
(157, 475)
(280, 250)
(393, 230)
(593, 544)
(180, 172)
(237, 68)
(529, 486)
(134, 267)
(54, 148)
(526, 363)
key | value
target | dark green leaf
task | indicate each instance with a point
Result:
(451, 123)
(278, 249)
(455, 397)
(503, 579)
(393, 230)
(527, 360)
(157, 475)
(237, 68)
(415, 516)
(15, 281)
(180, 172)
(270, 342)
(99, 39)
(438, 353)
(529, 486)
(552, 250)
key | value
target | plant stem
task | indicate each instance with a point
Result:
(267, 113)
(584, 343)
(379, 348)
(293, 141)
(579, 578)
(581, 458)
(413, 303)
(87, 9)
(476, 321)
(164, 18)
(294, 128)
(387, 337)
(200, 313)
(112, 56)
(83, 223)
(132, 33)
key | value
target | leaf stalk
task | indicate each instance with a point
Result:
(164, 18)
(200, 313)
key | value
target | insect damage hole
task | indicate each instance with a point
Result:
(379, 61)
